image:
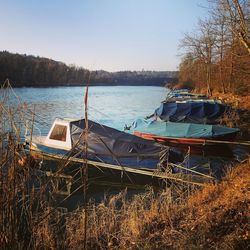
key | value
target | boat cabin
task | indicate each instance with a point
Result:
(59, 135)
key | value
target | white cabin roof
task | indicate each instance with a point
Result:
(59, 134)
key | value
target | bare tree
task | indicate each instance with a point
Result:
(202, 47)
(223, 42)
(237, 14)
(218, 52)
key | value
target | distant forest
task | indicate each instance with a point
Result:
(27, 70)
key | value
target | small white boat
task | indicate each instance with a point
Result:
(107, 148)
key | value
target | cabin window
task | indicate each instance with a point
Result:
(59, 133)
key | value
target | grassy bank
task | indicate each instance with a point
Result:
(241, 118)
(242, 102)
(216, 217)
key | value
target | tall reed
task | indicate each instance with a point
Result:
(22, 195)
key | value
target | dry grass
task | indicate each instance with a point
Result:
(240, 118)
(242, 102)
(216, 217)
(22, 194)
(236, 101)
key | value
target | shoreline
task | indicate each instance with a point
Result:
(84, 85)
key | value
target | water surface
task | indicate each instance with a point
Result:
(114, 106)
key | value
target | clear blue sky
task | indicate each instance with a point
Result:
(100, 34)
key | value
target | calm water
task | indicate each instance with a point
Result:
(113, 106)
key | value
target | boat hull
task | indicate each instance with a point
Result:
(188, 141)
(72, 168)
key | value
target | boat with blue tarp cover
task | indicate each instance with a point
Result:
(189, 100)
(181, 132)
(184, 93)
(191, 112)
(107, 148)
(179, 90)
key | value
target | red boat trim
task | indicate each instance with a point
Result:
(194, 141)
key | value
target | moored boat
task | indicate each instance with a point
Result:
(186, 133)
(107, 149)
(190, 100)
(185, 95)
(191, 112)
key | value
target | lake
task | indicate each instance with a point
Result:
(114, 106)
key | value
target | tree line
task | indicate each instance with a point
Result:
(217, 54)
(27, 70)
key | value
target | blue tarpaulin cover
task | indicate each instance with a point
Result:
(181, 130)
(112, 146)
(193, 112)
(185, 94)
